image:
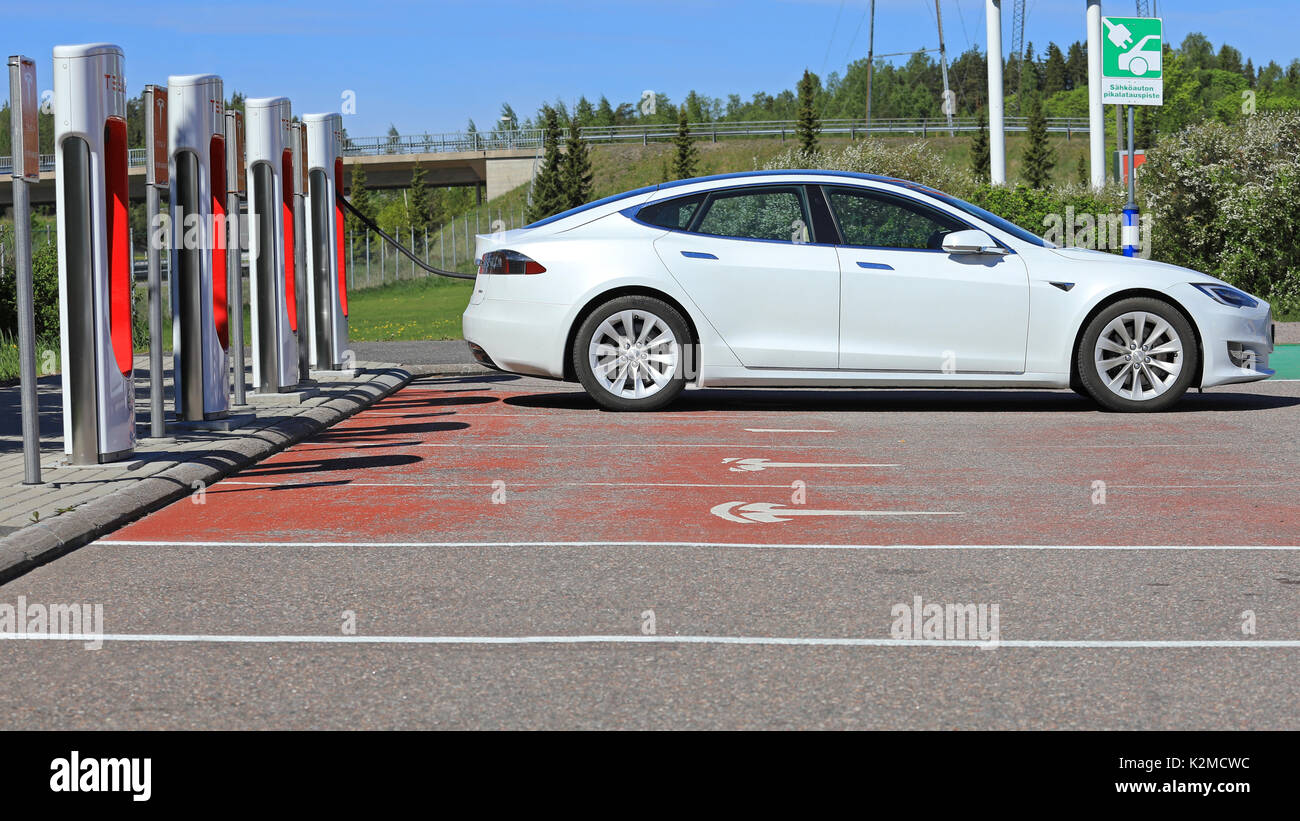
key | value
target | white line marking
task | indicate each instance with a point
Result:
(788, 430)
(743, 545)
(609, 446)
(768, 512)
(753, 464)
(787, 641)
(346, 485)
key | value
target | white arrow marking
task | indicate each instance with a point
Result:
(788, 430)
(742, 465)
(767, 512)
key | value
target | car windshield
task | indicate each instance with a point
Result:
(991, 218)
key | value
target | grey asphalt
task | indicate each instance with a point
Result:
(420, 352)
(708, 589)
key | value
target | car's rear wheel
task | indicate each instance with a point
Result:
(1137, 355)
(630, 353)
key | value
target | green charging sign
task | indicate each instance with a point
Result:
(1132, 60)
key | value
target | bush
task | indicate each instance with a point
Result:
(910, 161)
(1225, 199)
(45, 288)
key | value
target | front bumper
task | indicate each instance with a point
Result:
(1235, 342)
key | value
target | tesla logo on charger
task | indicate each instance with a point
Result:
(114, 82)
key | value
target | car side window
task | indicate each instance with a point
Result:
(877, 220)
(776, 213)
(675, 214)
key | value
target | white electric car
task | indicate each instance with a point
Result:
(832, 279)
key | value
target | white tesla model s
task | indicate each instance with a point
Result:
(832, 279)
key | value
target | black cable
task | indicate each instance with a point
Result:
(399, 246)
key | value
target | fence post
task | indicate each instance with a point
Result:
(412, 251)
(426, 245)
(442, 247)
(368, 280)
(453, 243)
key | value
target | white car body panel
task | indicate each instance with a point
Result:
(1002, 318)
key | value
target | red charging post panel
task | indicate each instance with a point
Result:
(119, 244)
(220, 308)
(286, 208)
(340, 241)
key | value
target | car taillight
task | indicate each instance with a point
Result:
(508, 262)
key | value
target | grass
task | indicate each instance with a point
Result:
(411, 310)
(47, 357)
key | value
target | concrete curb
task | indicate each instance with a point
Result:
(45, 541)
(448, 369)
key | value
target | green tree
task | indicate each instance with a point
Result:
(809, 122)
(1076, 66)
(979, 149)
(547, 196)
(577, 170)
(419, 208)
(361, 198)
(1038, 159)
(1054, 70)
(509, 120)
(686, 158)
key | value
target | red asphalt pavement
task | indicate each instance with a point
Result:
(463, 460)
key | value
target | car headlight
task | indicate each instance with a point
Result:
(1226, 295)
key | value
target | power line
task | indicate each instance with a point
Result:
(834, 30)
(856, 32)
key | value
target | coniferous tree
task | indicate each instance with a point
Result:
(1038, 159)
(809, 122)
(577, 170)
(1054, 70)
(547, 196)
(419, 208)
(979, 149)
(1076, 66)
(684, 163)
(361, 198)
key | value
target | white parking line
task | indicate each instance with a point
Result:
(738, 545)
(488, 485)
(789, 430)
(786, 641)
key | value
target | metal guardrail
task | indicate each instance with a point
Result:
(532, 138)
(135, 158)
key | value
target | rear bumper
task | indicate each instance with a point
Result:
(515, 336)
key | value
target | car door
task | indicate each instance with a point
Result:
(747, 260)
(906, 305)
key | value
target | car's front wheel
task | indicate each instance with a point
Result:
(630, 353)
(1137, 355)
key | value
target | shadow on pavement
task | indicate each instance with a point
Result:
(904, 401)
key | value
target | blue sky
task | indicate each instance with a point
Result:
(428, 66)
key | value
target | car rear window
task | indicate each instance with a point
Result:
(675, 214)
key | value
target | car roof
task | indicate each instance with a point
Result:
(739, 175)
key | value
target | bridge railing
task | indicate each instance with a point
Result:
(135, 159)
(532, 138)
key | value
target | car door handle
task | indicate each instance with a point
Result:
(697, 255)
(878, 265)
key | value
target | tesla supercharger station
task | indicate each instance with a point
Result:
(200, 310)
(326, 253)
(95, 281)
(270, 244)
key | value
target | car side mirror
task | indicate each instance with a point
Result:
(971, 241)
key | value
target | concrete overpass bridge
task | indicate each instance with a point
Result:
(496, 162)
(492, 171)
